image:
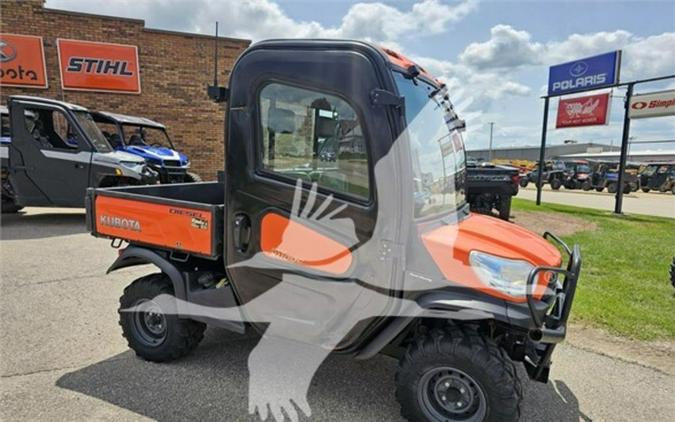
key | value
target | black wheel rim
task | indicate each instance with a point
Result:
(149, 323)
(448, 394)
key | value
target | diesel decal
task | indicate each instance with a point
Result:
(99, 66)
(120, 223)
(182, 211)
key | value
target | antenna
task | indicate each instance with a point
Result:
(215, 57)
(217, 93)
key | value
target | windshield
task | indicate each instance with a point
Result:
(583, 168)
(437, 149)
(92, 131)
(144, 135)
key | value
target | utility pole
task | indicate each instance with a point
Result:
(490, 147)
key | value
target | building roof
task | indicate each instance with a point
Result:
(131, 120)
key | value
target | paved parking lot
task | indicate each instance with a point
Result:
(62, 356)
(652, 203)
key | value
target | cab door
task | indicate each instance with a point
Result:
(48, 157)
(300, 118)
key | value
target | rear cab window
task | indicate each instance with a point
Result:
(314, 136)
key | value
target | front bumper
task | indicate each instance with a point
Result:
(550, 328)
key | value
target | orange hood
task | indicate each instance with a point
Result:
(450, 245)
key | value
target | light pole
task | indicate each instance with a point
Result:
(490, 147)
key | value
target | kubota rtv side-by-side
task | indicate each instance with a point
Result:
(333, 114)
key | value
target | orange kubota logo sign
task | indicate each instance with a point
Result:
(94, 66)
(22, 61)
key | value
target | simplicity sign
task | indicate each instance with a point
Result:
(589, 73)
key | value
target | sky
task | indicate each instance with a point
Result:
(493, 55)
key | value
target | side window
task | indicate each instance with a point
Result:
(51, 129)
(313, 136)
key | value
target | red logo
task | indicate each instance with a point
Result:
(589, 110)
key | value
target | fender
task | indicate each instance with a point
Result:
(466, 306)
(133, 255)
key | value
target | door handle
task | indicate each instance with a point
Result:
(241, 232)
(79, 166)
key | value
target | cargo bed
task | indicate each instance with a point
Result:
(181, 218)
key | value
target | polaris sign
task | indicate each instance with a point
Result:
(589, 73)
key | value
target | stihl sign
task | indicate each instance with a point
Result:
(22, 61)
(589, 110)
(93, 66)
(655, 104)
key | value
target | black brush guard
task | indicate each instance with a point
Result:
(551, 328)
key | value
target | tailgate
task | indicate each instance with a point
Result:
(171, 224)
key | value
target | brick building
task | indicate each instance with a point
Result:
(175, 69)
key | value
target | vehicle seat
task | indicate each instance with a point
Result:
(136, 139)
(115, 140)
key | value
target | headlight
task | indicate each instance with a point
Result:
(506, 275)
(130, 164)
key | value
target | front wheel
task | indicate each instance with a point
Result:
(192, 177)
(645, 190)
(457, 375)
(523, 182)
(555, 184)
(586, 186)
(599, 189)
(611, 188)
(150, 322)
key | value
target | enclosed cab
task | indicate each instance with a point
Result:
(149, 140)
(659, 177)
(57, 152)
(345, 171)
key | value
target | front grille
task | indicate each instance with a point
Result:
(172, 163)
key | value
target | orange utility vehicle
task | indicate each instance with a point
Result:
(334, 114)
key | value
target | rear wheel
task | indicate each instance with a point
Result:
(152, 328)
(523, 182)
(505, 208)
(611, 188)
(457, 375)
(645, 190)
(586, 186)
(599, 189)
(626, 189)
(192, 177)
(556, 184)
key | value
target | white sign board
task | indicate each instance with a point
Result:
(652, 105)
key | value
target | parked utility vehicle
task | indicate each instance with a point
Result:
(57, 152)
(286, 99)
(606, 175)
(577, 174)
(491, 186)
(658, 176)
(147, 139)
(554, 175)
